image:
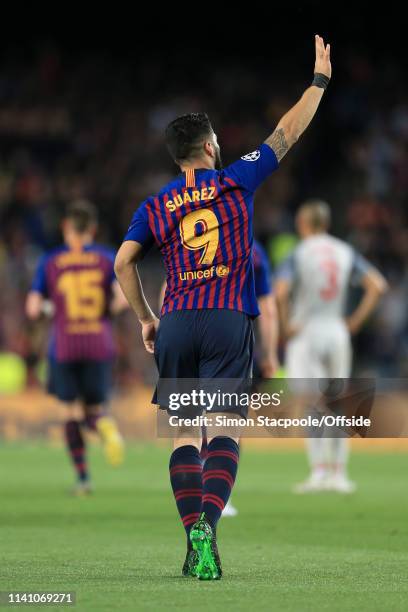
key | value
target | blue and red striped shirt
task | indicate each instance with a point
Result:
(79, 283)
(202, 224)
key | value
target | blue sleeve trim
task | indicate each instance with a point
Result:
(253, 168)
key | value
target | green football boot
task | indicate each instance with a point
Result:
(190, 564)
(204, 543)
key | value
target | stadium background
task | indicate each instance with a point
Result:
(83, 103)
(83, 117)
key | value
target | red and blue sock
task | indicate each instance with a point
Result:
(76, 448)
(186, 480)
(219, 472)
(91, 420)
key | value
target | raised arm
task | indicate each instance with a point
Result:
(295, 121)
(128, 277)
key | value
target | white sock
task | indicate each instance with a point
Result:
(339, 455)
(316, 454)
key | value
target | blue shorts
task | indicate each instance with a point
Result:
(88, 381)
(204, 344)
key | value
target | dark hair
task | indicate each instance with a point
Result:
(82, 214)
(185, 135)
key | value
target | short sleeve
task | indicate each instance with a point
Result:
(139, 229)
(253, 168)
(39, 283)
(360, 267)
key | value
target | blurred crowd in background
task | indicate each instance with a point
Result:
(89, 125)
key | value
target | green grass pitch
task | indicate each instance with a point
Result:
(123, 548)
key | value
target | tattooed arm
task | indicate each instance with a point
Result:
(296, 120)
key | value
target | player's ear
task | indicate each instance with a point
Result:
(209, 148)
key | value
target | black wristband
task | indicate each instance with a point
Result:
(320, 80)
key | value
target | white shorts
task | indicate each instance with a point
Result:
(321, 350)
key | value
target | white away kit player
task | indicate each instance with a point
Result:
(311, 290)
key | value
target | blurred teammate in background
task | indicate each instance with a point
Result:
(311, 290)
(76, 281)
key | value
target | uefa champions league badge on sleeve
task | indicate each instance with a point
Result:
(251, 157)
